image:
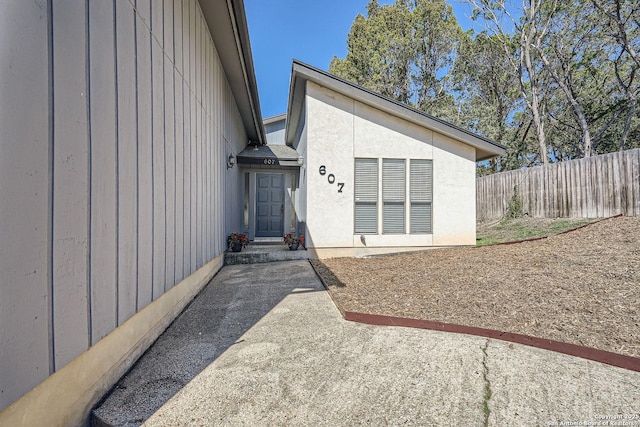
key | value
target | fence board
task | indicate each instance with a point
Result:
(599, 186)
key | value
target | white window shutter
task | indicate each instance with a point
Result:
(366, 196)
(420, 218)
(393, 195)
(421, 195)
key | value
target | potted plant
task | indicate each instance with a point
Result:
(237, 241)
(293, 241)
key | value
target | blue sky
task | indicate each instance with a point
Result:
(312, 31)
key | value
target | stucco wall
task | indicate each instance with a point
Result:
(454, 192)
(330, 133)
(341, 129)
(115, 126)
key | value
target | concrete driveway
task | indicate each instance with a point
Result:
(272, 349)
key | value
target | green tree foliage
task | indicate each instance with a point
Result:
(549, 79)
(404, 51)
(488, 95)
(581, 55)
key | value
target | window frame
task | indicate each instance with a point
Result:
(412, 198)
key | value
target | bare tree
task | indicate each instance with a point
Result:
(622, 24)
(558, 54)
(498, 16)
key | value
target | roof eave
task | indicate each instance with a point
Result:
(294, 106)
(227, 25)
(301, 72)
(482, 155)
(274, 119)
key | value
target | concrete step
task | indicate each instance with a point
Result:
(263, 252)
(267, 241)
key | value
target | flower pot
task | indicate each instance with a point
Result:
(236, 247)
(294, 246)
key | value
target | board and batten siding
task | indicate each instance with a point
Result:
(599, 186)
(116, 120)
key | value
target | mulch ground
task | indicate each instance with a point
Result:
(582, 287)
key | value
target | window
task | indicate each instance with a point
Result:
(366, 196)
(421, 195)
(393, 195)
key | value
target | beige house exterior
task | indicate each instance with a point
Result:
(133, 144)
(335, 125)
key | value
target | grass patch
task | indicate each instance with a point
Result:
(515, 229)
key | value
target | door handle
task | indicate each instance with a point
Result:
(281, 208)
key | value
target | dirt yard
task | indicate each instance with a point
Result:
(582, 287)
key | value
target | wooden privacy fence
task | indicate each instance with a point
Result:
(599, 186)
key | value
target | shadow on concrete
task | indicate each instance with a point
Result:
(232, 303)
(326, 275)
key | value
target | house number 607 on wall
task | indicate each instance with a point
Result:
(331, 178)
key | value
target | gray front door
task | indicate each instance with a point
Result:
(269, 205)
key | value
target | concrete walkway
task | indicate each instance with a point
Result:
(263, 344)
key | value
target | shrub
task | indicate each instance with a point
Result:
(514, 207)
